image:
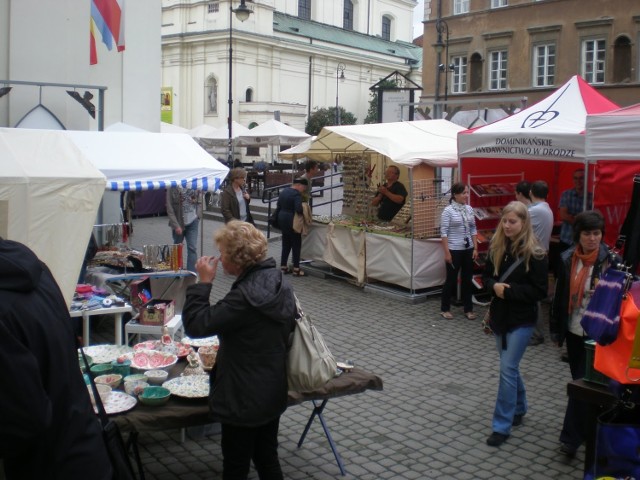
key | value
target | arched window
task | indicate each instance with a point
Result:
(248, 95)
(211, 96)
(386, 27)
(347, 16)
(304, 9)
(622, 60)
(475, 73)
(253, 125)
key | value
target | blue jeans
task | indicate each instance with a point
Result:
(512, 397)
(190, 233)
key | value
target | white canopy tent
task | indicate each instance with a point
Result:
(272, 132)
(49, 197)
(204, 131)
(407, 143)
(171, 128)
(150, 161)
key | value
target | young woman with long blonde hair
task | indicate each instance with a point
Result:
(516, 274)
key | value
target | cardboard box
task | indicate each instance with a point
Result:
(157, 312)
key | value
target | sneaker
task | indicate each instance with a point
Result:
(517, 420)
(568, 450)
(496, 439)
(536, 341)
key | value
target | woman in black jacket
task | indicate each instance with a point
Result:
(581, 265)
(515, 294)
(252, 322)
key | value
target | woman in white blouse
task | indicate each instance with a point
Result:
(459, 241)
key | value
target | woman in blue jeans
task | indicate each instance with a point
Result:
(516, 274)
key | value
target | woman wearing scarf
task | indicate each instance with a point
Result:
(580, 267)
(458, 232)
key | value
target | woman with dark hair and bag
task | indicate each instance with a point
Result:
(253, 322)
(234, 200)
(516, 275)
(581, 265)
(459, 241)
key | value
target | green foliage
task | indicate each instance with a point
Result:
(372, 113)
(322, 117)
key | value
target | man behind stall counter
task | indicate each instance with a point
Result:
(391, 196)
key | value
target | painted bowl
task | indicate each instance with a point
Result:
(103, 390)
(111, 379)
(156, 377)
(135, 387)
(155, 396)
(101, 369)
(135, 377)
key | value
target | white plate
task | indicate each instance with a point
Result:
(201, 342)
(118, 402)
(191, 386)
(106, 353)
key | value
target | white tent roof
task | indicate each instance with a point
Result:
(297, 151)
(408, 143)
(123, 127)
(204, 131)
(272, 132)
(147, 161)
(49, 198)
(614, 135)
(552, 129)
(170, 128)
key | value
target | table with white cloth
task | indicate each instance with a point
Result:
(409, 263)
(116, 311)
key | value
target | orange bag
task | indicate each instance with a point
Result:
(613, 360)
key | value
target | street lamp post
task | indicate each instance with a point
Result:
(242, 13)
(339, 76)
(440, 46)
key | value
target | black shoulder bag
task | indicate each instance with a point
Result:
(486, 320)
(120, 461)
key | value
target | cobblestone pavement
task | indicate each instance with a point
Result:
(433, 416)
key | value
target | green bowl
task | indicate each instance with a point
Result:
(155, 396)
(101, 369)
(83, 367)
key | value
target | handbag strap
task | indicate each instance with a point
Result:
(102, 413)
(510, 270)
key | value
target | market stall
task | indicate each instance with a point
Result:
(543, 142)
(50, 193)
(404, 252)
(613, 148)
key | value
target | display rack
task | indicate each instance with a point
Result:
(488, 196)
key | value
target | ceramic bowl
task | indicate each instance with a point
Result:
(155, 396)
(111, 379)
(103, 390)
(156, 377)
(101, 369)
(135, 377)
(83, 367)
(135, 387)
(208, 355)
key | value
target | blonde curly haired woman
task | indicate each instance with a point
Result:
(253, 321)
(516, 274)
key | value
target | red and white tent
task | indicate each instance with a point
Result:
(543, 142)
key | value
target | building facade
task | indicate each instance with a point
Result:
(502, 50)
(287, 59)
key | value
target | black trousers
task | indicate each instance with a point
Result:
(241, 445)
(463, 263)
(291, 243)
(573, 431)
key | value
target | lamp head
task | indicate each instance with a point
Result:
(242, 12)
(439, 46)
(4, 91)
